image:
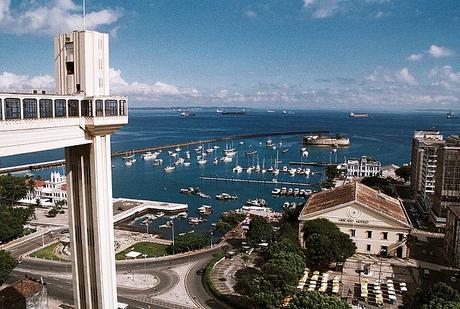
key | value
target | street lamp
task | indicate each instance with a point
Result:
(211, 239)
(145, 266)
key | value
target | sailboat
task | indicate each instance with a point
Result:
(276, 170)
(237, 168)
(129, 156)
(229, 152)
(170, 167)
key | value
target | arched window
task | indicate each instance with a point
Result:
(59, 108)
(111, 108)
(46, 108)
(12, 108)
(30, 108)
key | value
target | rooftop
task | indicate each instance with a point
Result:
(359, 193)
(25, 287)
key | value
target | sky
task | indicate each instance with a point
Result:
(287, 54)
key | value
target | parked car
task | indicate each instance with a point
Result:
(200, 272)
(426, 273)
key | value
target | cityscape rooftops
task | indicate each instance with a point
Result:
(359, 193)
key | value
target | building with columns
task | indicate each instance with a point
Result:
(80, 118)
(377, 223)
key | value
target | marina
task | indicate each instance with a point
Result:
(273, 181)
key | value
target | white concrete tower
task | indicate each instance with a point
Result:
(82, 63)
(80, 118)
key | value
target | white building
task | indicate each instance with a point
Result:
(377, 223)
(389, 171)
(363, 167)
(49, 192)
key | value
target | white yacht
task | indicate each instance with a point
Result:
(202, 161)
(187, 163)
(226, 159)
(149, 156)
(169, 168)
(276, 191)
(237, 169)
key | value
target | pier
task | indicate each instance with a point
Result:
(322, 164)
(215, 140)
(133, 206)
(31, 166)
(269, 182)
(40, 165)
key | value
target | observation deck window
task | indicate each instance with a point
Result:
(12, 108)
(99, 108)
(30, 108)
(46, 108)
(59, 108)
(111, 108)
(122, 107)
(86, 108)
(73, 108)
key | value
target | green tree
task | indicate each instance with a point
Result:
(325, 243)
(222, 227)
(260, 230)
(11, 189)
(7, 264)
(316, 300)
(189, 242)
(404, 172)
(332, 171)
(12, 222)
(439, 296)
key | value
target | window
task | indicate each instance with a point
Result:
(30, 108)
(73, 108)
(99, 108)
(122, 107)
(368, 248)
(59, 108)
(400, 236)
(353, 232)
(70, 68)
(385, 235)
(86, 108)
(369, 234)
(1, 110)
(46, 108)
(111, 107)
(12, 108)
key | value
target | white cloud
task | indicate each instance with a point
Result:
(52, 17)
(382, 75)
(250, 13)
(144, 91)
(406, 77)
(15, 82)
(440, 51)
(321, 8)
(415, 57)
(434, 51)
(445, 77)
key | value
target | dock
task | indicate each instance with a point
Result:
(215, 140)
(270, 182)
(322, 164)
(133, 206)
(31, 166)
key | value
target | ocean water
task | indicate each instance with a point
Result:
(383, 136)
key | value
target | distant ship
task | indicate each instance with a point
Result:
(219, 111)
(353, 115)
(241, 112)
(270, 111)
(450, 115)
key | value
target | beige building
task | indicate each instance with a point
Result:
(377, 223)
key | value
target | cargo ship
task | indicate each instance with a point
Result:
(359, 115)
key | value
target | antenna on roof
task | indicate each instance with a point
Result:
(84, 15)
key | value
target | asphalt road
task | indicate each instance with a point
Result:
(32, 244)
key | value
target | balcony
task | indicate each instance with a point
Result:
(34, 122)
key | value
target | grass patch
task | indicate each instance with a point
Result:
(47, 253)
(149, 248)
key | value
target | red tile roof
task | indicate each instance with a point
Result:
(27, 287)
(356, 192)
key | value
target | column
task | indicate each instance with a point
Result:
(91, 224)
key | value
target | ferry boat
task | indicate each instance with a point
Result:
(149, 156)
(276, 191)
(358, 115)
(225, 196)
(205, 209)
(256, 202)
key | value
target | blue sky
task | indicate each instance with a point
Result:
(334, 54)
